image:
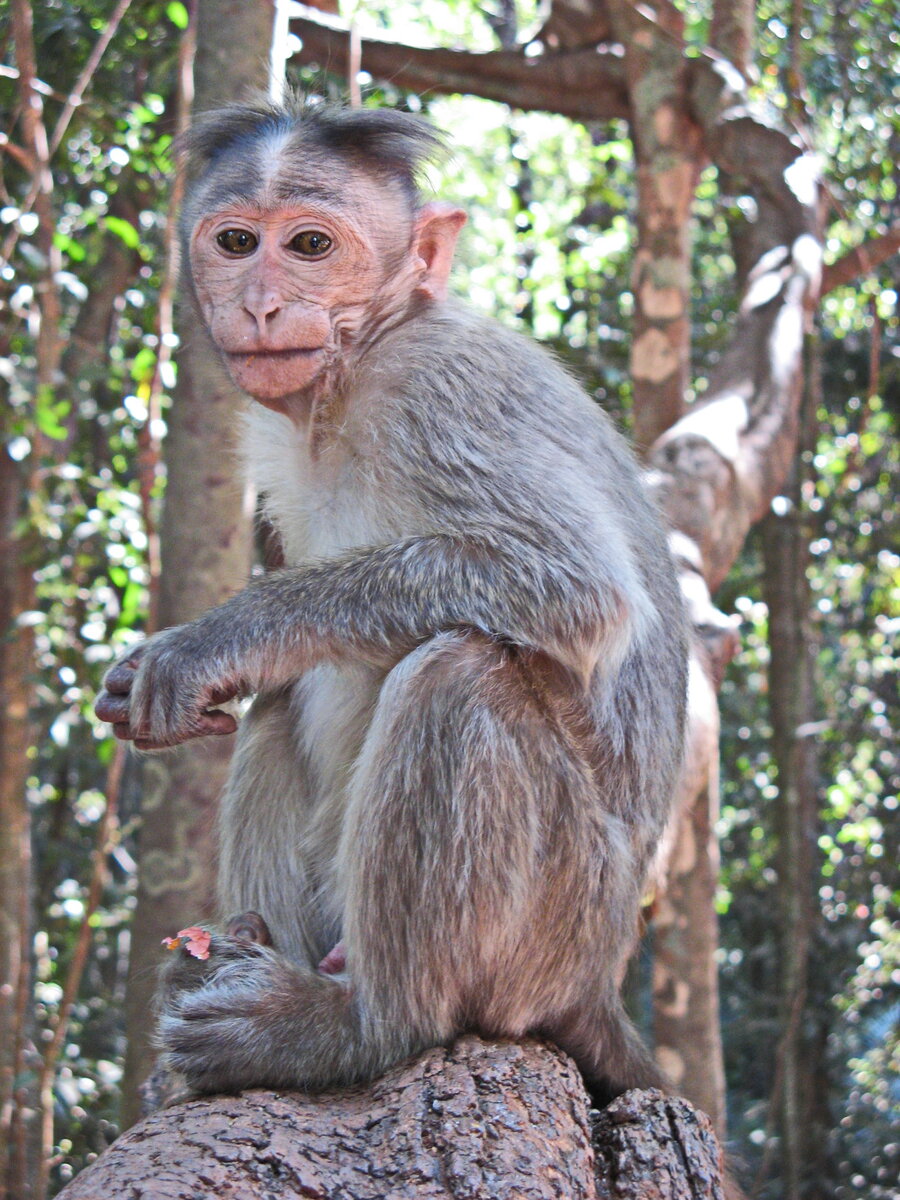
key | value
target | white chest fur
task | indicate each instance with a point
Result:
(321, 504)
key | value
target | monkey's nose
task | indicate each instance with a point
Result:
(263, 304)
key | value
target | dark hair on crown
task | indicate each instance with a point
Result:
(388, 141)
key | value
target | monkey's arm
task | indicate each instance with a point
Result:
(373, 606)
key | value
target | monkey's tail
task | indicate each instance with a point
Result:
(610, 1054)
(620, 1061)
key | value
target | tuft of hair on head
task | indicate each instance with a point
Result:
(386, 141)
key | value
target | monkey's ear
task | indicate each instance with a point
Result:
(434, 239)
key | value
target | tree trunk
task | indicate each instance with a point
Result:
(19, 486)
(669, 158)
(480, 1121)
(687, 1038)
(16, 673)
(205, 553)
(793, 711)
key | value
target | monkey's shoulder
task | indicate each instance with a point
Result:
(456, 385)
(450, 350)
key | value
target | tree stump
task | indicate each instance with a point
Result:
(478, 1121)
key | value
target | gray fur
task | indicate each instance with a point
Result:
(468, 722)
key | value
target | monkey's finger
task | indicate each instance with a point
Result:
(215, 722)
(120, 677)
(123, 731)
(113, 709)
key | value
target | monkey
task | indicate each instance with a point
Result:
(469, 675)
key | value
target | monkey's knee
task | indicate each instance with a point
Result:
(448, 674)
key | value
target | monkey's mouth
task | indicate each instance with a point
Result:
(298, 352)
(268, 374)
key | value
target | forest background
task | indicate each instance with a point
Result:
(808, 945)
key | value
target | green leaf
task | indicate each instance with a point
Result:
(125, 230)
(144, 365)
(72, 249)
(48, 414)
(177, 14)
(131, 605)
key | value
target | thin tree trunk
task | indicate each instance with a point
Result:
(205, 553)
(16, 674)
(686, 1028)
(793, 711)
(19, 485)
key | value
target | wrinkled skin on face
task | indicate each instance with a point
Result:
(295, 281)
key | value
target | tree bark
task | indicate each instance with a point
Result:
(686, 1031)
(480, 1121)
(205, 551)
(20, 486)
(669, 157)
(16, 671)
(585, 84)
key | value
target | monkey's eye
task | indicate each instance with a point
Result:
(237, 241)
(311, 243)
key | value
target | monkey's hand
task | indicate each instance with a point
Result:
(164, 692)
(246, 1017)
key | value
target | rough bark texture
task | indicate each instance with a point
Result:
(205, 549)
(480, 1120)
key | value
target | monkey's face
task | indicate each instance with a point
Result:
(295, 281)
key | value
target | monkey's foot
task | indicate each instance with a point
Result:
(246, 1017)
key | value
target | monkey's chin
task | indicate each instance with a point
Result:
(276, 376)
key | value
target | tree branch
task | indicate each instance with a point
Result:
(75, 96)
(501, 1119)
(861, 260)
(586, 84)
(717, 469)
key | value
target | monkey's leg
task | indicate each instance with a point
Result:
(487, 885)
(269, 863)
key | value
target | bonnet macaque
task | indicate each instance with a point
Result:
(469, 677)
